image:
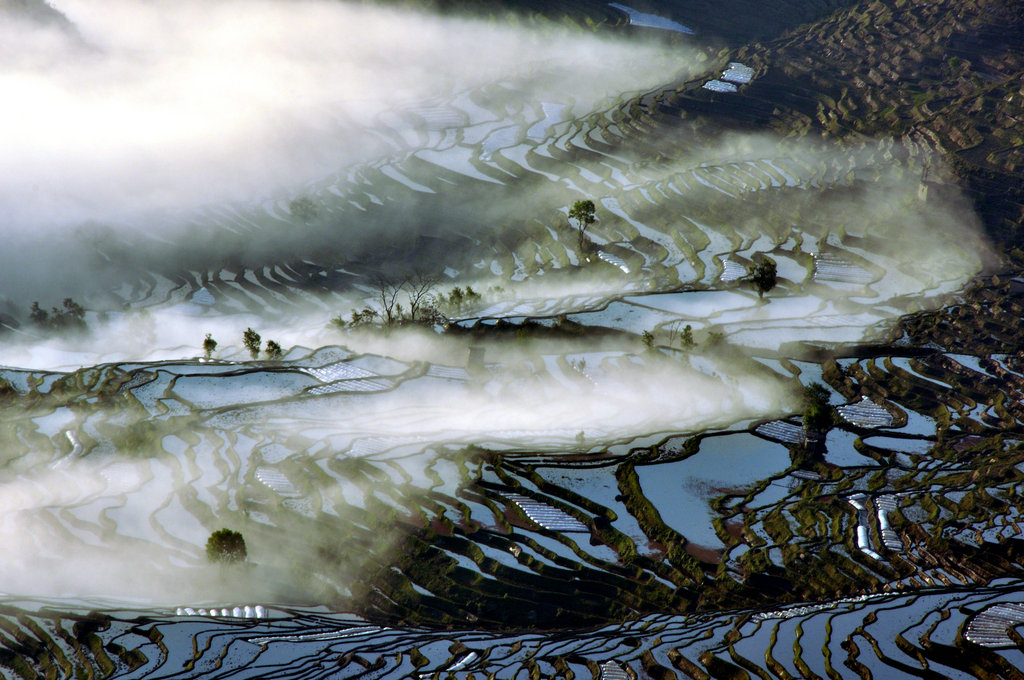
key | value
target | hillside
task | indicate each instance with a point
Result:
(944, 74)
(487, 438)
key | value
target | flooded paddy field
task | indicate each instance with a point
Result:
(465, 432)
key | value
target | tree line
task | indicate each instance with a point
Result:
(69, 317)
(413, 300)
(251, 341)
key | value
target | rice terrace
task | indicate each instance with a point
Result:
(470, 339)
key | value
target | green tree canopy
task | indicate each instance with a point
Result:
(251, 339)
(274, 351)
(227, 546)
(764, 276)
(582, 212)
(209, 345)
(818, 413)
(38, 315)
(686, 338)
(71, 316)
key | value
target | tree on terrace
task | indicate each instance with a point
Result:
(819, 416)
(251, 339)
(420, 288)
(209, 345)
(71, 316)
(38, 315)
(274, 351)
(387, 295)
(764, 276)
(582, 212)
(227, 546)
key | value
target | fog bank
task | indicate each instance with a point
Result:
(173, 105)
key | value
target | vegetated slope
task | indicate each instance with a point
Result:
(946, 74)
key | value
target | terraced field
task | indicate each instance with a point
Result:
(899, 636)
(597, 467)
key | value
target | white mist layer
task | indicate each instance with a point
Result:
(179, 104)
(131, 525)
(880, 218)
(84, 530)
(530, 410)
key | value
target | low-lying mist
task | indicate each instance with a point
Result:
(856, 202)
(125, 559)
(171, 137)
(129, 521)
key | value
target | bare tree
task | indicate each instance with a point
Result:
(411, 299)
(387, 294)
(420, 289)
